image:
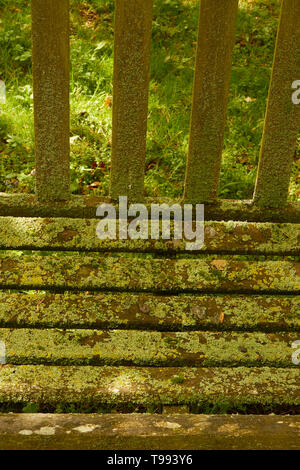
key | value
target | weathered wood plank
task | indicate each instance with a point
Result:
(93, 272)
(26, 205)
(147, 348)
(50, 52)
(80, 234)
(149, 311)
(142, 432)
(146, 386)
(216, 36)
(133, 27)
(283, 116)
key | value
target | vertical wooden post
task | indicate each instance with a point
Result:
(50, 50)
(217, 25)
(282, 116)
(133, 26)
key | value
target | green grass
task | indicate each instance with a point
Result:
(172, 69)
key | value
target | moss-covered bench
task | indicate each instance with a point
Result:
(160, 343)
(140, 344)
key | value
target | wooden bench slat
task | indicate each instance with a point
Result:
(216, 36)
(85, 206)
(149, 385)
(147, 348)
(133, 27)
(141, 432)
(51, 63)
(283, 116)
(80, 234)
(148, 311)
(93, 272)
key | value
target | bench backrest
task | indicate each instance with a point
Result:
(216, 38)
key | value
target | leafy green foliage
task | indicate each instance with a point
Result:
(31, 408)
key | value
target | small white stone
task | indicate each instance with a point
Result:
(86, 428)
(167, 424)
(46, 431)
(26, 432)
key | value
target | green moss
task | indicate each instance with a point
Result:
(31, 408)
(279, 141)
(177, 379)
(116, 386)
(147, 348)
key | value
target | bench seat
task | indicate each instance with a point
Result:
(158, 342)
